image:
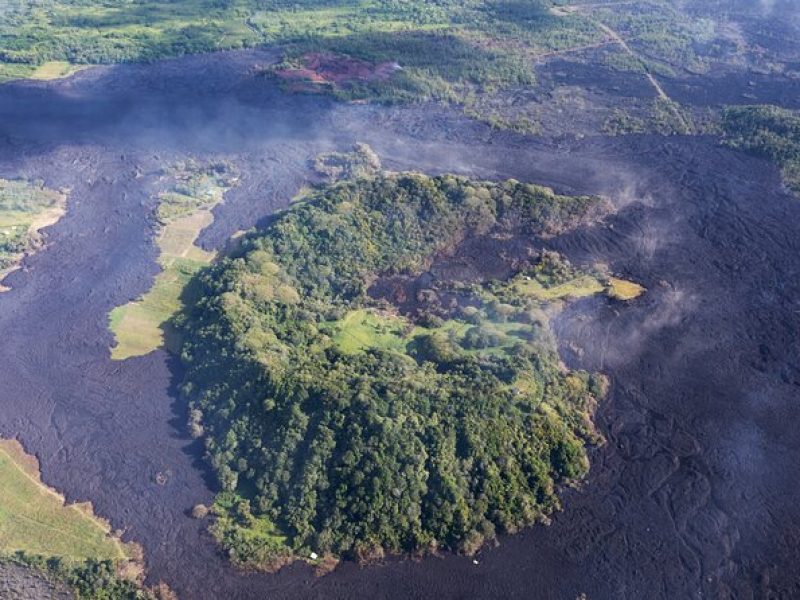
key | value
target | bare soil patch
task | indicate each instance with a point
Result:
(325, 68)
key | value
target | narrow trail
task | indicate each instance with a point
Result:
(618, 39)
(624, 45)
(660, 93)
(573, 49)
(579, 7)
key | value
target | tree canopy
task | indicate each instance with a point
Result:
(417, 437)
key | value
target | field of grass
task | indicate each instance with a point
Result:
(142, 326)
(621, 289)
(555, 279)
(25, 208)
(55, 69)
(579, 287)
(35, 520)
(488, 331)
(11, 71)
(363, 329)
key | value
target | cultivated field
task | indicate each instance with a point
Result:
(35, 520)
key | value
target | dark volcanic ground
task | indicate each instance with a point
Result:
(695, 493)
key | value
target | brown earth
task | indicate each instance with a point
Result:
(325, 68)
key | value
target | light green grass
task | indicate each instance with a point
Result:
(621, 289)
(34, 519)
(579, 287)
(11, 71)
(362, 329)
(142, 326)
(55, 69)
(337, 21)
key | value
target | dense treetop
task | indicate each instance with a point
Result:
(337, 425)
(768, 131)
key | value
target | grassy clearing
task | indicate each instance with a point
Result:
(579, 287)
(11, 71)
(620, 289)
(488, 330)
(255, 537)
(366, 329)
(35, 520)
(25, 209)
(55, 69)
(142, 326)
(363, 329)
(554, 279)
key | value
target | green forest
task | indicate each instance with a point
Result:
(448, 49)
(767, 131)
(339, 427)
(80, 31)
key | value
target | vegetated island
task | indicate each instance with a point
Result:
(351, 407)
(190, 191)
(26, 207)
